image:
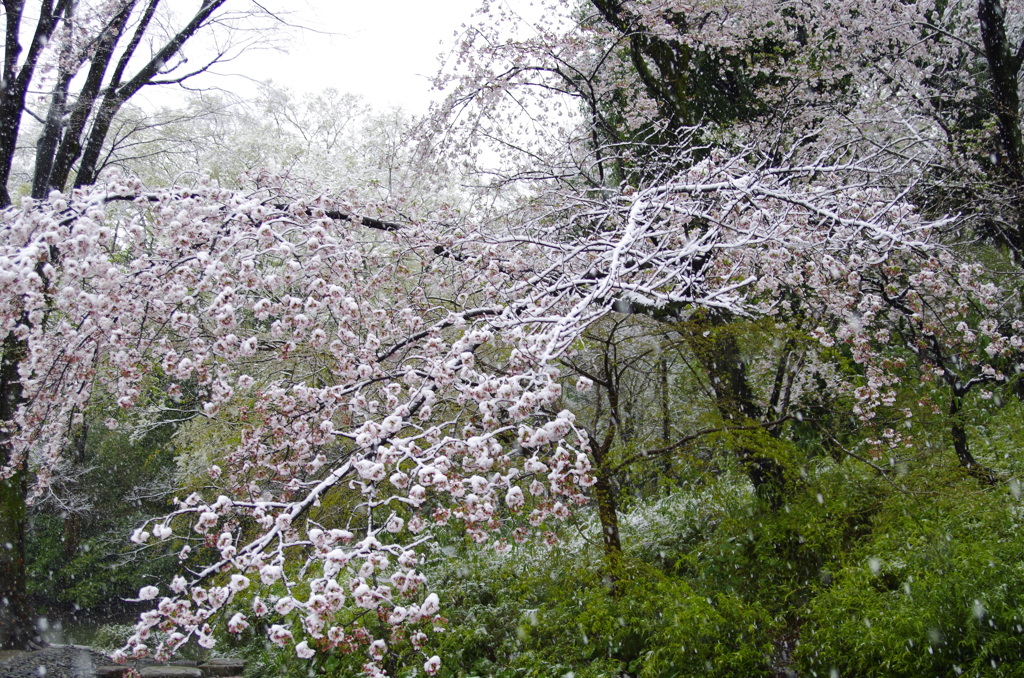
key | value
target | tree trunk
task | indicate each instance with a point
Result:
(1004, 71)
(607, 509)
(666, 417)
(73, 520)
(960, 445)
(15, 80)
(46, 145)
(1004, 67)
(16, 627)
(718, 352)
(12, 95)
(89, 165)
(71, 146)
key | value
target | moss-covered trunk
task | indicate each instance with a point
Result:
(16, 627)
(607, 509)
(958, 431)
(718, 351)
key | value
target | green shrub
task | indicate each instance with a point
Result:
(539, 612)
(936, 591)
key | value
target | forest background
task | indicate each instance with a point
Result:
(679, 334)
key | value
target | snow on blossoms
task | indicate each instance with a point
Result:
(342, 353)
(377, 379)
(929, 318)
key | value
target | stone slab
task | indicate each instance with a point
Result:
(170, 672)
(222, 667)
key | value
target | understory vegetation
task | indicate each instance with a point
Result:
(859, 575)
(908, 568)
(679, 338)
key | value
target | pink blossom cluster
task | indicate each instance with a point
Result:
(346, 361)
(382, 381)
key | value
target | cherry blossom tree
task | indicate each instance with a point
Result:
(380, 378)
(347, 356)
(906, 66)
(637, 72)
(889, 84)
(957, 323)
(89, 58)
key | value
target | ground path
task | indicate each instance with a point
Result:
(76, 661)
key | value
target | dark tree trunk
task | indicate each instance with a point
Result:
(12, 94)
(16, 627)
(74, 521)
(15, 80)
(607, 508)
(71, 146)
(666, 416)
(88, 168)
(719, 353)
(46, 145)
(960, 445)
(1004, 64)
(1004, 68)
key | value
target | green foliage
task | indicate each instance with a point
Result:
(936, 589)
(97, 575)
(911, 574)
(779, 556)
(110, 637)
(542, 614)
(653, 625)
(914, 572)
(82, 559)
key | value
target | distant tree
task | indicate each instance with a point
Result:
(91, 58)
(332, 141)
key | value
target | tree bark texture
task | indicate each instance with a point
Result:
(1004, 65)
(17, 77)
(958, 432)
(16, 627)
(607, 508)
(1004, 68)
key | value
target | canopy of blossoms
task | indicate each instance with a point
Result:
(376, 379)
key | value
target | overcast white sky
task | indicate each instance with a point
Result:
(385, 50)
